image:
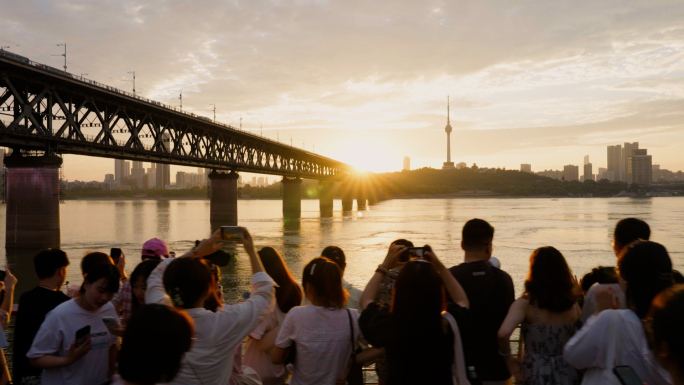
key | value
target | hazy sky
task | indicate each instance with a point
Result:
(365, 82)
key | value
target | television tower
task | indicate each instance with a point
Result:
(448, 165)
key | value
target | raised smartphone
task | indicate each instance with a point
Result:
(115, 253)
(231, 233)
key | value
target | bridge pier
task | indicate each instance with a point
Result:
(292, 198)
(325, 198)
(361, 198)
(223, 199)
(347, 198)
(32, 201)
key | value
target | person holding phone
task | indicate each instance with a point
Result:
(422, 345)
(185, 282)
(73, 345)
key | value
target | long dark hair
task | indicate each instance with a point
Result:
(325, 278)
(667, 315)
(549, 282)
(647, 268)
(288, 293)
(416, 321)
(187, 280)
(154, 343)
(143, 270)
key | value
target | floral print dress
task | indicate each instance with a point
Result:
(543, 362)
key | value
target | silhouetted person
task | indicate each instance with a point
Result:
(490, 292)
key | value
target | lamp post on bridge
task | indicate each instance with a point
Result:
(133, 72)
(64, 54)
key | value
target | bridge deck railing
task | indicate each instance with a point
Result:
(26, 60)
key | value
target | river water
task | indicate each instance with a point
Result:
(581, 228)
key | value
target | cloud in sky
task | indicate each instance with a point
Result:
(531, 82)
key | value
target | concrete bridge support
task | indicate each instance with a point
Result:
(32, 201)
(347, 198)
(292, 198)
(223, 199)
(361, 198)
(325, 198)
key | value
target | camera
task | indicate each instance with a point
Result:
(417, 252)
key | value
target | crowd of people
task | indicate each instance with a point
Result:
(418, 321)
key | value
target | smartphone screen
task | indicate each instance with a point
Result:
(115, 253)
(417, 252)
(231, 233)
(82, 335)
(626, 375)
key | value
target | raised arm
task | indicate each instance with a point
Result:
(10, 282)
(390, 262)
(455, 290)
(254, 259)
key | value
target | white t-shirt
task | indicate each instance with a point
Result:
(260, 360)
(57, 333)
(590, 347)
(323, 342)
(210, 360)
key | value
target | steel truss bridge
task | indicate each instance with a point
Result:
(43, 108)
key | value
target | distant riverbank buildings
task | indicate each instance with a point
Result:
(625, 163)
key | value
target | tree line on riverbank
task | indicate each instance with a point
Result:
(421, 182)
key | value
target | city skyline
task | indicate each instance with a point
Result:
(529, 83)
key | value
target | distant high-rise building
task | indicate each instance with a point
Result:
(254, 181)
(127, 169)
(627, 152)
(461, 165)
(119, 165)
(407, 164)
(180, 179)
(448, 165)
(138, 174)
(260, 181)
(614, 162)
(588, 173)
(601, 174)
(109, 178)
(151, 176)
(570, 173)
(640, 167)
(526, 167)
(586, 159)
(163, 176)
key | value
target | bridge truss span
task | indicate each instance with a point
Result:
(42, 108)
